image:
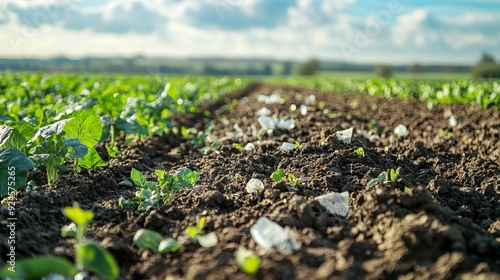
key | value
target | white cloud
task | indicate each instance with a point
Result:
(282, 29)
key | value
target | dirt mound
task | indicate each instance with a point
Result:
(438, 220)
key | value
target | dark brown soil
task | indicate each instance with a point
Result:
(439, 220)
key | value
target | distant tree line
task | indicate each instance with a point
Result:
(487, 67)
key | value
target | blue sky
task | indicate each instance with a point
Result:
(392, 31)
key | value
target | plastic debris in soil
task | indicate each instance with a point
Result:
(335, 203)
(345, 135)
(269, 234)
(401, 131)
(254, 186)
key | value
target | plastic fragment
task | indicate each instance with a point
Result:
(263, 112)
(345, 135)
(286, 146)
(453, 121)
(401, 131)
(303, 110)
(268, 234)
(254, 186)
(249, 147)
(335, 203)
(266, 122)
(310, 100)
(271, 99)
(286, 124)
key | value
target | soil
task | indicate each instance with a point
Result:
(438, 220)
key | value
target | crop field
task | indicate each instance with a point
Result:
(158, 177)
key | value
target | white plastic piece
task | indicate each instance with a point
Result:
(255, 186)
(288, 124)
(453, 121)
(335, 203)
(310, 100)
(401, 131)
(268, 234)
(286, 146)
(271, 99)
(263, 112)
(303, 110)
(266, 122)
(304, 179)
(249, 147)
(345, 135)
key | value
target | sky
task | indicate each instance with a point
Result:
(351, 31)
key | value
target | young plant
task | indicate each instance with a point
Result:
(51, 148)
(150, 194)
(360, 151)
(279, 175)
(385, 177)
(196, 233)
(151, 240)
(247, 261)
(238, 147)
(90, 256)
(446, 135)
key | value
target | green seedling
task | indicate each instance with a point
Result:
(196, 233)
(247, 261)
(279, 175)
(446, 135)
(151, 240)
(407, 190)
(385, 177)
(360, 151)
(374, 126)
(298, 145)
(150, 194)
(210, 149)
(14, 167)
(233, 178)
(90, 256)
(238, 147)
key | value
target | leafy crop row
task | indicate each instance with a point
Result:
(47, 120)
(480, 92)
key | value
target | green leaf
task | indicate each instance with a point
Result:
(79, 216)
(126, 183)
(395, 174)
(76, 148)
(5, 133)
(238, 147)
(360, 151)
(86, 126)
(51, 129)
(169, 245)
(278, 175)
(148, 239)
(137, 177)
(247, 261)
(92, 257)
(14, 167)
(207, 240)
(187, 178)
(38, 267)
(200, 222)
(192, 231)
(92, 160)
